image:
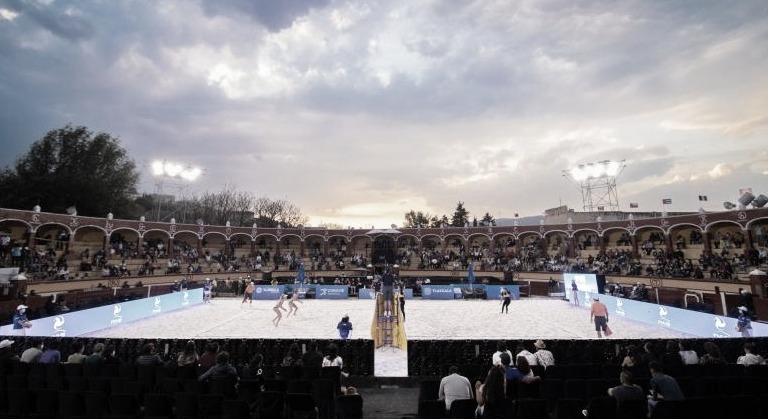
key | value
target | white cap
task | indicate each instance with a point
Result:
(5, 343)
(21, 306)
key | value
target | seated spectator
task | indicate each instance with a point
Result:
(627, 390)
(208, 358)
(148, 356)
(712, 354)
(293, 357)
(662, 387)
(688, 355)
(750, 357)
(6, 353)
(501, 347)
(77, 356)
(490, 395)
(51, 354)
(189, 355)
(512, 373)
(332, 359)
(32, 354)
(222, 370)
(524, 352)
(454, 387)
(97, 356)
(543, 356)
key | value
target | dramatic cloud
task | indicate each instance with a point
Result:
(358, 112)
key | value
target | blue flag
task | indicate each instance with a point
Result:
(471, 275)
(300, 275)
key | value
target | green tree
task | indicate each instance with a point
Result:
(414, 219)
(488, 220)
(460, 216)
(72, 166)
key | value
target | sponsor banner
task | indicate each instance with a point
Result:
(81, 322)
(696, 323)
(493, 292)
(439, 292)
(370, 294)
(268, 292)
(331, 292)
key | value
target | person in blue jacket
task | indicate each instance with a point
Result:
(344, 326)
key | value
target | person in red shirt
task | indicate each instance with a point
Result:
(598, 314)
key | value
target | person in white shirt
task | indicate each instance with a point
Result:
(501, 348)
(454, 387)
(749, 357)
(544, 357)
(688, 355)
(522, 351)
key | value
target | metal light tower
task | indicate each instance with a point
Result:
(597, 182)
(174, 173)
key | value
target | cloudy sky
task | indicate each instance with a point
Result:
(359, 111)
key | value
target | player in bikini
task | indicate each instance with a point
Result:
(277, 308)
(292, 307)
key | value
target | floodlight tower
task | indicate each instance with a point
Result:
(597, 182)
(174, 173)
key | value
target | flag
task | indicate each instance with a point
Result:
(634, 205)
(703, 198)
(300, 275)
(666, 201)
(470, 275)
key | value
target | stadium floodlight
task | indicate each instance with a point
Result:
(760, 201)
(174, 173)
(597, 182)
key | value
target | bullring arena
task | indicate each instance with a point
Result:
(438, 332)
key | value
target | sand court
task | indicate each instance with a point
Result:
(529, 318)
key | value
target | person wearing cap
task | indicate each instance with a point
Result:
(20, 320)
(598, 314)
(6, 354)
(543, 356)
(744, 323)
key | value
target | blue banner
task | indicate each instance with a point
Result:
(440, 292)
(331, 292)
(369, 294)
(82, 322)
(268, 292)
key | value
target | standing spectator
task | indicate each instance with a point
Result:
(208, 358)
(344, 327)
(77, 356)
(688, 355)
(222, 370)
(662, 387)
(454, 387)
(750, 357)
(32, 354)
(148, 356)
(188, 356)
(598, 314)
(743, 323)
(575, 292)
(543, 356)
(20, 321)
(51, 354)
